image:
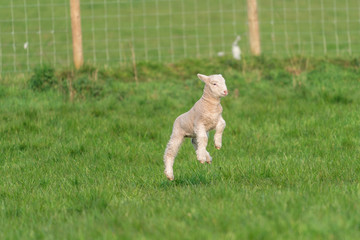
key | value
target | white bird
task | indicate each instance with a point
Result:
(236, 51)
(26, 45)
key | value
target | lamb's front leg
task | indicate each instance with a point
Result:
(220, 126)
(201, 140)
(194, 143)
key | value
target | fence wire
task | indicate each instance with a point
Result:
(34, 32)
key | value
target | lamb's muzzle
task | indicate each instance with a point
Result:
(204, 116)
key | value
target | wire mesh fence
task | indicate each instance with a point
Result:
(34, 32)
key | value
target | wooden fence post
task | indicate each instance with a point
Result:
(254, 36)
(76, 33)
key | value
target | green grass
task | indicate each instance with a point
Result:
(91, 168)
(169, 30)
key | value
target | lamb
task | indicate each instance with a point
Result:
(204, 116)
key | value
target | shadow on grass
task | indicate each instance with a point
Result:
(197, 179)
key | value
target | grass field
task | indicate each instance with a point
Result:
(91, 168)
(169, 30)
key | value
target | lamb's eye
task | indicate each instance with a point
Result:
(214, 84)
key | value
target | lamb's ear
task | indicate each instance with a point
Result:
(203, 78)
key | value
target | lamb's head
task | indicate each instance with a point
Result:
(214, 84)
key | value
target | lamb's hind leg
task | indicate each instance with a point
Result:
(208, 157)
(171, 151)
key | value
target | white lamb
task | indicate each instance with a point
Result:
(204, 116)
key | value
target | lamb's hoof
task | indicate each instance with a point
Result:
(202, 161)
(169, 175)
(218, 147)
(208, 159)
